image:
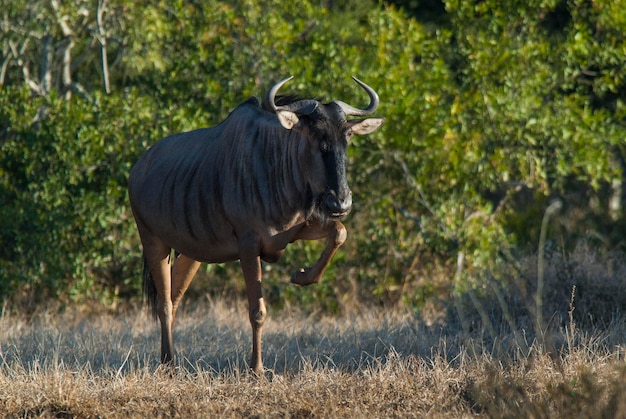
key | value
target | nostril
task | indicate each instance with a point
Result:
(333, 204)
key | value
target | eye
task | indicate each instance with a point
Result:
(324, 146)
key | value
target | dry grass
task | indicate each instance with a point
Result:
(489, 356)
(365, 364)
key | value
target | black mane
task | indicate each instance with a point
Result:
(281, 100)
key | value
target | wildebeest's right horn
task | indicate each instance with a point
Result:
(352, 111)
(301, 107)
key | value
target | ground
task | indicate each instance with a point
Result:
(368, 363)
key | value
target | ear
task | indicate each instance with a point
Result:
(365, 126)
(287, 119)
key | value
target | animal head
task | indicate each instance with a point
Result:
(328, 133)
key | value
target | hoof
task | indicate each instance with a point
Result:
(256, 371)
(169, 370)
(303, 277)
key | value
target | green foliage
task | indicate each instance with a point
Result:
(492, 110)
(64, 214)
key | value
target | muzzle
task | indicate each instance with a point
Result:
(334, 207)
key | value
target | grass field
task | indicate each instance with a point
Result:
(364, 363)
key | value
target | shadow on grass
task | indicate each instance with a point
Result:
(583, 302)
(216, 340)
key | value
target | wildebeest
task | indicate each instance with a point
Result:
(268, 175)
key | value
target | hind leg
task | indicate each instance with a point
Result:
(158, 260)
(159, 265)
(183, 272)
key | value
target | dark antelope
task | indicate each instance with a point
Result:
(265, 177)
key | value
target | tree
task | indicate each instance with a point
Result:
(493, 110)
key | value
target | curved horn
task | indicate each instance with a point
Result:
(271, 94)
(352, 111)
(301, 107)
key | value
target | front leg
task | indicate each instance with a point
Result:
(249, 250)
(336, 234)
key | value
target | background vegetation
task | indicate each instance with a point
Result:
(495, 110)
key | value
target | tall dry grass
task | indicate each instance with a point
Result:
(489, 358)
(370, 364)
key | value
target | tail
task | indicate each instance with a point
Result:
(149, 289)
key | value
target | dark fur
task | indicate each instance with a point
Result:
(190, 186)
(149, 290)
(281, 100)
(243, 189)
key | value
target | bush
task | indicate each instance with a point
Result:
(492, 111)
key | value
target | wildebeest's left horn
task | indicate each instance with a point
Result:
(352, 111)
(301, 107)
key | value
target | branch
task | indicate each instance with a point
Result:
(101, 36)
(67, 48)
(6, 53)
(5, 65)
(67, 68)
(62, 20)
(45, 73)
(17, 53)
(410, 180)
(82, 92)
